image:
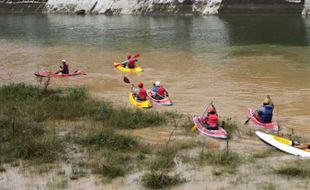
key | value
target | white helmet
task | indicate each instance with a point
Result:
(63, 61)
(157, 83)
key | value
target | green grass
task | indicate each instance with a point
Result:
(108, 139)
(230, 125)
(296, 169)
(24, 139)
(163, 160)
(77, 173)
(220, 158)
(112, 171)
(157, 180)
(127, 118)
(262, 154)
(266, 186)
(112, 164)
(2, 169)
(58, 183)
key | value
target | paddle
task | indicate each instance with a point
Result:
(126, 80)
(135, 56)
(247, 121)
(195, 126)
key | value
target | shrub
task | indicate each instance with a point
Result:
(156, 180)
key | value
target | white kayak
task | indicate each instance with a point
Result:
(282, 144)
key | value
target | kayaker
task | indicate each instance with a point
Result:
(211, 119)
(300, 146)
(264, 114)
(64, 68)
(159, 91)
(130, 62)
(140, 92)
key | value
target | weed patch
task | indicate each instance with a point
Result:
(108, 139)
(156, 180)
(297, 169)
(220, 158)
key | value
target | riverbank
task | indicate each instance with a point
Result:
(61, 138)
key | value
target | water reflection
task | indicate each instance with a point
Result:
(275, 30)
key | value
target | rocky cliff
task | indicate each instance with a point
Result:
(154, 7)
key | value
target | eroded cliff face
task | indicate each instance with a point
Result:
(144, 7)
(156, 7)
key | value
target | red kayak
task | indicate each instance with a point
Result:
(218, 134)
(271, 126)
(164, 102)
(50, 74)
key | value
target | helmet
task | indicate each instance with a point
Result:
(63, 61)
(140, 85)
(211, 109)
(128, 56)
(266, 101)
(157, 83)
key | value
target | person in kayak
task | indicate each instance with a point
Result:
(130, 62)
(299, 145)
(159, 91)
(64, 68)
(264, 114)
(140, 92)
(210, 121)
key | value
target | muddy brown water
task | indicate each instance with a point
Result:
(233, 62)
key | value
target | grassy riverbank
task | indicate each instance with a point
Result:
(52, 130)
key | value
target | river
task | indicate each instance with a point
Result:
(233, 60)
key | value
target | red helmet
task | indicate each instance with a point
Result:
(128, 56)
(140, 85)
(211, 109)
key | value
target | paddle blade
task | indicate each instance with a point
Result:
(116, 65)
(137, 55)
(126, 80)
(247, 121)
(194, 128)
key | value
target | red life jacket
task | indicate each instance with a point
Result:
(131, 63)
(212, 120)
(161, 91)
(142, 94)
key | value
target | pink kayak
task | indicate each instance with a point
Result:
(164, 102)
(218, 134)
(271, 126)
(51, 74)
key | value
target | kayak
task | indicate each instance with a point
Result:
(271, 126)
(164, 102)
(127, 70)
(139, 104)
(282, 144)
(50, 74)
(218, 134)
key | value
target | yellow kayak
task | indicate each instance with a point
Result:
(127, 70)
(139, 104)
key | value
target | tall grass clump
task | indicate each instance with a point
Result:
(24, 139)
(114, 164)
(296, 169)
(156, 180)
(220, 158)
(108, 139)
(230, 125)
(126, 118)
(40, 104)
(163, 160)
